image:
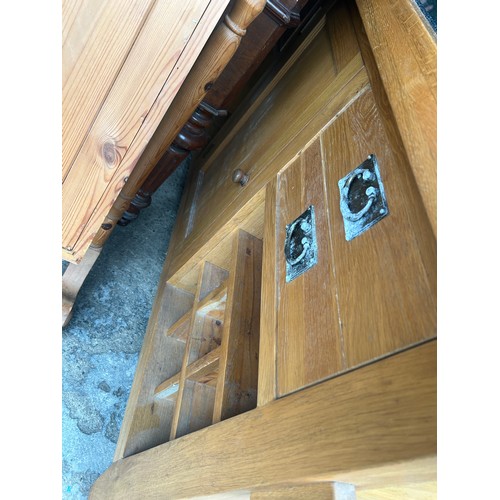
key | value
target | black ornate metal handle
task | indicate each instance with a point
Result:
(304, 242)
(371, 192)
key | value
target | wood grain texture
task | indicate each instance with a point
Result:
(426, 490)
(204, 367)
(271, 444)
(97, 38)
(239, 360)
(146, 422)
(214, 303)
(196, 408)
(309, 342)
(165, 50)
(264, 136)
(386, 288)
(168, 388)
(342, 36)
(268, 142)
(218, 248)
(204, 335)
(405, 50)
(213, 59)
(308, 491)
(267, 391)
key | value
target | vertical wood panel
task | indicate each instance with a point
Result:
(204, 336)
(267, 347)
(239, 361)
(386, 298)
(309, 337)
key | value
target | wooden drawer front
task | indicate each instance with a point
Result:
(367, 297)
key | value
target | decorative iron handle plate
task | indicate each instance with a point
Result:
(362, 198)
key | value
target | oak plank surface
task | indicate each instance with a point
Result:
(196, 407)
(221, 198)
(146, 422)
(168, 388)
(269, 297)
(309, 337)
(204, 335)
(204, 367)
(307, 491)
(405, 50)
(217, 249)
(342, 36)
(238, 367)
(386, 299)
(270, 444)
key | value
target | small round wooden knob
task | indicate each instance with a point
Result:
(239, 177)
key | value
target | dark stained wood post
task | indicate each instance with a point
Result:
(224, 94)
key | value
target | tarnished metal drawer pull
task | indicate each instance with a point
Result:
(362, 198)
(301, 248)
(371, 192)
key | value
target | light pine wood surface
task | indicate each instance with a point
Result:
(164, 51)
(97, 38)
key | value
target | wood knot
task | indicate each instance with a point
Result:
(109, 153)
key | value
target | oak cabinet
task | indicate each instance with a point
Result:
(259, 347)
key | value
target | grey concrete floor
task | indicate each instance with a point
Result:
(101, 344)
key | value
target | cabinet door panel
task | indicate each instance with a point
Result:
(365, 298)
(308, 332)
(385, 276)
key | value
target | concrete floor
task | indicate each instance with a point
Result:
(101, 344)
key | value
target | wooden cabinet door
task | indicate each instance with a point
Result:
(365, 298)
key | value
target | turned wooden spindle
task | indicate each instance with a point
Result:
(263, 33)
(214, 57)
(192, 137)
